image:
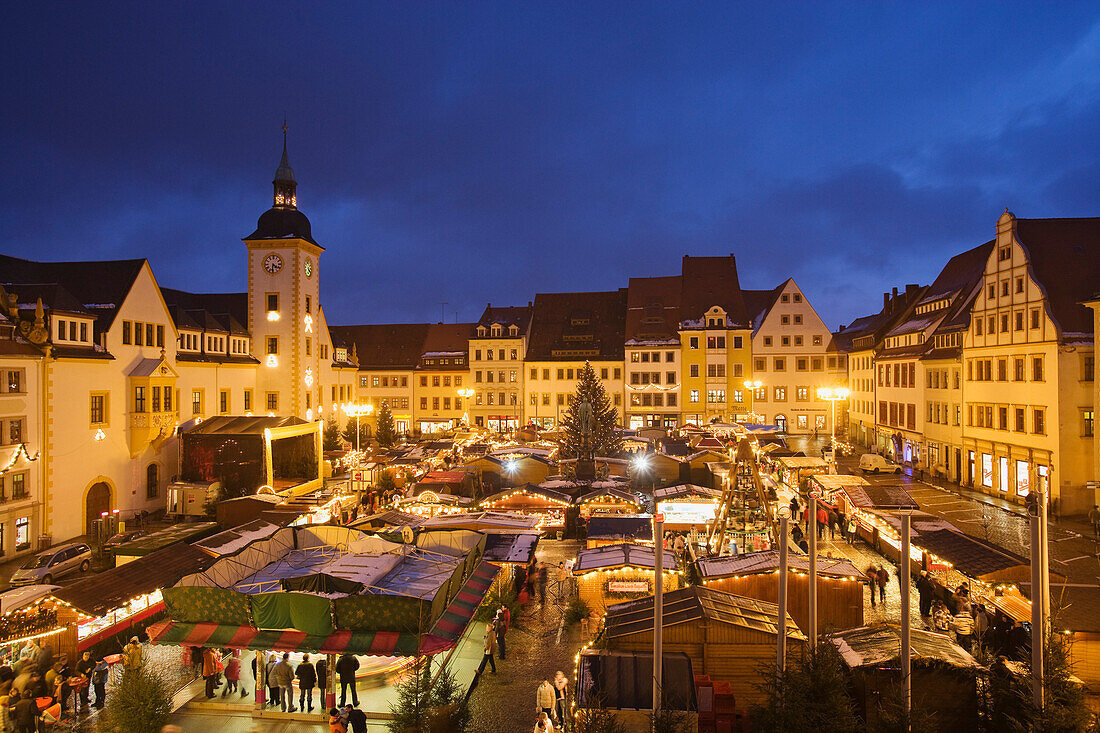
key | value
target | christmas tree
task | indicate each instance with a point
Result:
(604, 439)
(387, 435)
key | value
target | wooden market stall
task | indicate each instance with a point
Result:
(728, 637)
(687, 506)
(830, 489)
(547, 505)
(610, 500)
(429, 504)
(944, 676)
(613, 573)
(615, 529)
(794, 471)
(756, 575)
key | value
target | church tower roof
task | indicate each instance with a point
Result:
(283, 220)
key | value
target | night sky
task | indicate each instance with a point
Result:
(474, 152)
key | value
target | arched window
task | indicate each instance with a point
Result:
(152, 481)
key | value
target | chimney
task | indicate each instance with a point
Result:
(886, 302)
(895, 292)
(911, 290)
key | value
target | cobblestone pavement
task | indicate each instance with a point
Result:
(506, 701)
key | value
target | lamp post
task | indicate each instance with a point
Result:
(354, 408)
(781, 639)
(752, 385)
(467, 393)
(833, 395)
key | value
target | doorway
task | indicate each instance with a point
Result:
(98, 502)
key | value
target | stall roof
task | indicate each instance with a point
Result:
(623, 680)
(795, 462)
(613, 492)
(16, 598)
(626, 554)
(242, 425)
(620, 527)
(530, 489)
(231, 540)
(767, 561)
(390, 518)
(969, 555)
(513, 548)
(112, 588)
(881, 497)
(680, 491)
(834, 481)
(881, 644)
(485, 522)
(696, 604)
(165, 537)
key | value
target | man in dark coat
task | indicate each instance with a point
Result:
(925, 589)
(307, 680)
(346, 667)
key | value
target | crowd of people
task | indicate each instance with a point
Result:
(550, 704)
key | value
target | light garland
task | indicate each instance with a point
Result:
(21, 450)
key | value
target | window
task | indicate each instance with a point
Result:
(223, 401)
(272, 345)
(603, 374)
(1020, 427)
(98, 410)
(992, 324)
(435, 403)
(738, 397)
(693, 342)
(992, 292)
(1002, 418)
(546, 374)
(156, 398)
(767, 340)
(435, 380)
(1037, 369)
(22, 533)
(785, 320)
(801, 364)
(797, 319)
(139, 334)
(248, 400)
(716, 396)
(1002, 370)
(1019, 324)
(126, 325)
(759, 365)
(1038, 422)
(817, 341)
(784, 298)
(139, 399)
(488, 354)
(786, 340)
(1005, 254)
(693, 397)
(802, 394)
(1034, 317)
(1088, 368)
(152, 481)
(546, 399)
(149, 334)
(802, 422)
(716, 342)
(617, 373)
(1018, 369)
(534, 374)
(779, 365)
(272, 399)
(816, 363)
(780, 394)
(309, 346)
(760, 394)
(977, 326)
(272, 302)
(1086, 423)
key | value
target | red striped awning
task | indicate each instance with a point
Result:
(443, 636)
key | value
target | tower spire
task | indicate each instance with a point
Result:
(285, 185)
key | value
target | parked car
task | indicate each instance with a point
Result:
(121, 538)
(874, 463)
(53, 563)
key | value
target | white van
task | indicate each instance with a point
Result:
(874, 463)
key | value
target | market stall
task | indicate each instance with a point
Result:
(428, 504)
(615, 529)
(756, 575)
(829, 488)
(794, 471)
(611, 500)
(547, 505)
(613, 573)
(686, 506)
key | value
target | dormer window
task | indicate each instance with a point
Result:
(341, 354)
(496, 330)
(513, 330)
(481, 331)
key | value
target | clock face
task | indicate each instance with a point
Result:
(273, 263)
(309, 268)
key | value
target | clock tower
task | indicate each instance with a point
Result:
(283, 293)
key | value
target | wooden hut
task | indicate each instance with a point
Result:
(697, 462)
(615, 529)
(512, 469)
(944, 675)
(608, 501)
(548, 505)
(687, 505)
(756, 575)
(728, 637)
(662, 468)
(614, 573)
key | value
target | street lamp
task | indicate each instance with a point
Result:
(752, 386)
(833, 395)
(467, 393)
(354, 408)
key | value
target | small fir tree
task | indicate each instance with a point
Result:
(331, 436)
(605, 439)
(385, 481)
(387, 433)
(427, 705)
(140, 703)
(811, 694)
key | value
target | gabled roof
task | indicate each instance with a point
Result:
(234, 304)
(447, 338)
(696, 604)
(99, 285)
(896, 307)
(385, 346)
(1065, 256)
(511, 315)
(759, 302)
(653, 309)
(578, 326)
(624, 555)
(961, 273)
(767, 561)
(880, 644)
(54, 297)
(710, 281)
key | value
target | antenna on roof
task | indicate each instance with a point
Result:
(443, 312)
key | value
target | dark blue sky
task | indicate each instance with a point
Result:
(468, 152)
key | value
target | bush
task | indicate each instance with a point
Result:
(424, 705)
(494, 599)
(140, 703)
(810, 695)
(597, 720)
(576, 610)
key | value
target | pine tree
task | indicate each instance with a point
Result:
(605, 440)
(140, 703)
(811, 694)
(387, 434)
(331, 436)
(364, 433)
(427, 705)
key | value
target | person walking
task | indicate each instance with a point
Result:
(851, 531)
(307, 680)
(25, 714)
(1094, 519)
(872, 582)
(544, 698)
(842, 524)
(131, 654)
(232, 673)
(561, 686)
(822, 521)
(99, 682)
(795, 508)
(833, 521)
(500, 621)
(346, 667)
(489, 647)
(282, 676)
(543, 577)
(963, 623)
(925, 590)
(883, 579)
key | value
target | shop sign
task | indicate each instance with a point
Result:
(628, 586)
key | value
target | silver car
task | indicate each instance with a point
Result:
(51, 564)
